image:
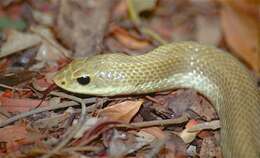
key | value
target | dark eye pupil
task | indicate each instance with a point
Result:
(83, 80)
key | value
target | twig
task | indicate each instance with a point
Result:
(153, 99)
(86, 101)
(149, 32)
(90, 136)
(82, 148)
(165, 122)
(143, 29)
(70, 133)
(14, 88)
(132, 13)
(64, 95)
(36, 111)
(75, 129)
(215, 124)
(43, 109)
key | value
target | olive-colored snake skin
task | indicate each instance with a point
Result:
(211, 71)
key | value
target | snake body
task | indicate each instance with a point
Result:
(211, 71)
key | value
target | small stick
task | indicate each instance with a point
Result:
(43, 109)
(165, 122)
(13, 88)
(71, 132)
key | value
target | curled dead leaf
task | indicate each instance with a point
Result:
(128, 40)
(19, 136)
(17, 41)
(155, 131)
(186, 135)
(20, 105)
(123, 112)
(244, 39)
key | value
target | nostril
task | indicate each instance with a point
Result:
(63, 82)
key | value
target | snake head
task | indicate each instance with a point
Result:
(78, 77)
(91, 76)
(68, 77)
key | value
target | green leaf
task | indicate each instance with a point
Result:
(6, 22)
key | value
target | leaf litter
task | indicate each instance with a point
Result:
(176, 124)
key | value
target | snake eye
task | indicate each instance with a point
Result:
(83, 80)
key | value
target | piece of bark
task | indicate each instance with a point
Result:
(81, 25)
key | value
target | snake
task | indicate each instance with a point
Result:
(211, 71)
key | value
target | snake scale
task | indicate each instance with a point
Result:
(214, 73)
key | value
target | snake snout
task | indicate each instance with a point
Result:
(60, 80)
(63, 82)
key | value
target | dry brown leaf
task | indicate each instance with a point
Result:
(128, 40)
(187, 136)
(17, 41)
(180, 101)
(205, 125)
(122, 112)
(204, 109)
(250, 7)
(173, 144)
(81, 25)
(155, 131)
(208, 29)
(50, 50)
(55, 120)
(19, 136)
(88, 124)
(209, 148)
(242, 35)
(13, 79)
(20, 105)
(44, 18)
(40, 84)
(174, 147)
(120, 9)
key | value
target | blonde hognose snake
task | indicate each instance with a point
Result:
(212, 72)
